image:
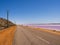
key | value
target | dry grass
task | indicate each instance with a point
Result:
(6, 36)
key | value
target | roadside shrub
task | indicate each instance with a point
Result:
(54, 30)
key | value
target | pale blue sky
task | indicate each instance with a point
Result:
(31, 11)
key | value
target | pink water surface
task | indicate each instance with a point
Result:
(49, 27)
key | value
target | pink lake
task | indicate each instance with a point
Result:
(49, 27)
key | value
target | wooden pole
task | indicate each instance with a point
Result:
(7, 18)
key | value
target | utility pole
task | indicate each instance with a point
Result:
(7, 18)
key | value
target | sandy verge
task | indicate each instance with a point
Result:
(6, 35)
(48, 30)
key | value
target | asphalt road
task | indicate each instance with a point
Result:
(28, 36)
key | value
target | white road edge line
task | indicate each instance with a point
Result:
(43, 40)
